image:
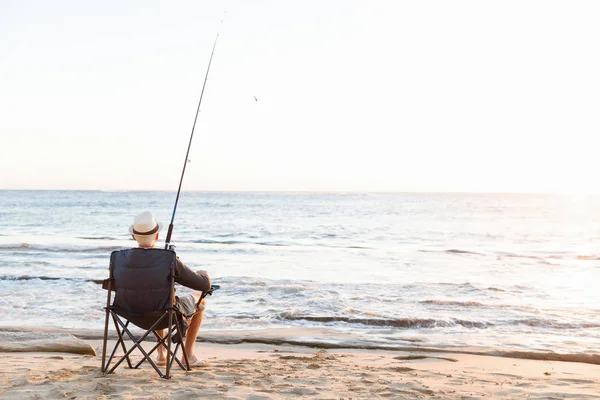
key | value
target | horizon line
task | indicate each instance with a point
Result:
(309, 191)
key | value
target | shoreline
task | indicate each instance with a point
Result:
(261, 371)
(303, 338)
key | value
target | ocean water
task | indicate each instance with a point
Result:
(489, 271)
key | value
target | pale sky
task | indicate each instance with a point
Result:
(500, 96)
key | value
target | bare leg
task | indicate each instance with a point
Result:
(191, 334)
(194, 329)
(162, 351)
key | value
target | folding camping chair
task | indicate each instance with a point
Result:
(152, 312)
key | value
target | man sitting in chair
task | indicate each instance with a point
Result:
(145, 230)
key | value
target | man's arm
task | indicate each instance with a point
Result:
(194, 280)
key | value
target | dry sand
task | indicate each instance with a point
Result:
(254, 371)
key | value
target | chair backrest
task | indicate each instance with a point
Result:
(142, 280)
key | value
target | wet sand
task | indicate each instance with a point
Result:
(267, 371)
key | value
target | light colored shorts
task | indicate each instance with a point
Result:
(186, 305)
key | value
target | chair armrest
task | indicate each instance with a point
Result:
(209, 292)
(212, 289)
(108, 282)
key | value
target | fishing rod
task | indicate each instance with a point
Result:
(170, 231)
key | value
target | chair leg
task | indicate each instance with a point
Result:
(110, 358)
(161, 341)
(186, 360)
(121, 340)
(107, 309)
(175, 358)
(182, 339)
(169, 341)
(173, 353)
(136, 344)
(123, 331)
(105, 341)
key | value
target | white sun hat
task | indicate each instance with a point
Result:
(145, 225)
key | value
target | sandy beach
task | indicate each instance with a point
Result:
(262, 371)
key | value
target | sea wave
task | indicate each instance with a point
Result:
(454, 303)
(46, 278)
(238, 234)
(500, 306)
(272, 244)
(540, 257)
(397, 323)
(429, 323)
(27, 247)
(210, 241)
(83, 248)
(554, 256)
(97, 238)
(453, 251)
(237, 242)
(544, 323)
(459, 251)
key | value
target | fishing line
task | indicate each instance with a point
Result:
(170, 231)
